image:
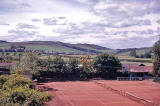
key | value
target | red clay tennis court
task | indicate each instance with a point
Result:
(90, 93)
(146, 89)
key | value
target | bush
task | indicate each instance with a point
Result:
(36, 75)
(18, 90)
(3, 79)
(16, 80)
(24, 96)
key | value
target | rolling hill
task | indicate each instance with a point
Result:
(61, 47)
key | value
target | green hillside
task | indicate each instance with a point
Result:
(60, 47)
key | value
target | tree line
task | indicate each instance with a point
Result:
(103, 65)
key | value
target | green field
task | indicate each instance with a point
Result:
(81, 49)
(133, 60)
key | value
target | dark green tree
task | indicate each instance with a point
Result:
(148, 55)
(73, 65)
(156, 58)
(58, 65)
(156, 51)
(133, 53)
(107, 64)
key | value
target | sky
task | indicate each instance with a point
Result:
(114, 24)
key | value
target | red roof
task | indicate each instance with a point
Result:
(140, 68)
(137, 68)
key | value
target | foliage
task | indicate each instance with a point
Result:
(87, 69)
(18, 90)
(146, 55)
(43, 64)
(106, 63)
(86, 64)
(3, 79)
(16, 80)
(156, 58)
(24, 96)
(73, 66)
(58, 65)
(156, 68)
(30, 62)
(156, 51)
(133, 53)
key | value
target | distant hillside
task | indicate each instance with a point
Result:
(60, 47)
(92, 46)
(2, 41)
(139, 51)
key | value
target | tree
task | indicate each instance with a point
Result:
(15, 53)
(86, 64)
(156, 58)
(148, 55)
(87, 68)
(30, 63)
(156, 68)
(73, 65)
(156, 51)
(106, 63)
(58, 65)
(133, 53)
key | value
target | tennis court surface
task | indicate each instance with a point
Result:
(96, 93)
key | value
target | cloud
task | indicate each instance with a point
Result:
(3, 23)
(158, 21)
(10, 6)
(36, 20)
(23, 5)
(61, 17)
(55, 21)
(134, 22)
(50, 21)
(23, 26)
(144, 32)
(129, 42)
(154, 6)
(22, 32)
(19, 35)
(18, 38)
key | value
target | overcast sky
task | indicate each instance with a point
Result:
(109, 23)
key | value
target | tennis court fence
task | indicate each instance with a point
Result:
(130, 78)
